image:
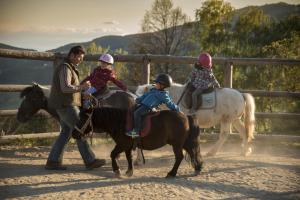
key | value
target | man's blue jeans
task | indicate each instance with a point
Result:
(69, 116)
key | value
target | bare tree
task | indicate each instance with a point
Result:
(165, 31)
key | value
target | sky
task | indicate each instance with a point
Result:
(48, 24)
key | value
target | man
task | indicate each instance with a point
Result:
(65, 97)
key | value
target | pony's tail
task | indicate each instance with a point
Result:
(249, 116)
(192, 143)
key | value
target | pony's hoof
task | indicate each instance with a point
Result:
(129, 173)
(197, 172)
(248, 152)
(117, 173)
(169, 176)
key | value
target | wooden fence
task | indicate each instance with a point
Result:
(147, 59)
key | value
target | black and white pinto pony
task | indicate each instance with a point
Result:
(231, 106)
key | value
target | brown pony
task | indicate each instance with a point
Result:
(35, 97)
(169, 127)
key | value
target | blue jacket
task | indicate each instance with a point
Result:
(155, 97)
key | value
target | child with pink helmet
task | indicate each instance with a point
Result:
(201, 78)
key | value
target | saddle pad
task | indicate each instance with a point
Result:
(208, 100)
(146, 122)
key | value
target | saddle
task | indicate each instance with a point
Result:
(205, 100)
(146, 122)
(98, 99)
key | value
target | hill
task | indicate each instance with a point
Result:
(5, 46)
(277, 11)
(113, 41)
(19, 71)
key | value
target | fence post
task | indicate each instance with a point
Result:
(145, 76)
(228, 75)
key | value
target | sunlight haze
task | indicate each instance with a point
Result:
(44, 25)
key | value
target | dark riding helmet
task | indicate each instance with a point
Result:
(164, 79)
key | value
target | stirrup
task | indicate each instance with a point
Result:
(132, 134)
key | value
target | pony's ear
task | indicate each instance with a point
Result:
(35, 84)
(26, 91)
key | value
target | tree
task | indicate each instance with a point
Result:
(164, 26)
(213, 26)
(251, 30)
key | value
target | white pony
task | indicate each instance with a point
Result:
(230, 106)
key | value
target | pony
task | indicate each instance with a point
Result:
(230, 107)
(35, 98)
(168, 127)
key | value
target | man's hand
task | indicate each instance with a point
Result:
(86, 85)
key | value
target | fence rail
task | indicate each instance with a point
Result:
(257, 93)
(140, 58)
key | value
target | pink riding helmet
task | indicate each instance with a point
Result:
(106, 58)
(205, 60)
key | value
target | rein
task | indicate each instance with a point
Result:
(87, 122)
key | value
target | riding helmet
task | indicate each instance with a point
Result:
(164, 79)
(205, 60)
(106, 58)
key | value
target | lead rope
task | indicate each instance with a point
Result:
(82, 129)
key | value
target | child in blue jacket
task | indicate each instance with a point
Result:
(152, 99)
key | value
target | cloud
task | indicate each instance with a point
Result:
(114, 22)
(49, 30)
(50, 37)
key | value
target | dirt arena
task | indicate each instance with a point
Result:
(269, 173)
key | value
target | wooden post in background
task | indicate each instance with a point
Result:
(228, 79)
(145, 76)
(228, 75)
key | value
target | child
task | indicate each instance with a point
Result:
(100, 76)
(152, 99)
(202, 77)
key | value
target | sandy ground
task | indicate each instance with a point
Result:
(263, 175)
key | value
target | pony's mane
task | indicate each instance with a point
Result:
(27, 90)
(110, 119)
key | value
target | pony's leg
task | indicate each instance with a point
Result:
(113, 155)
(239, 126)
(225, 130)
(139, 157)
(129, 171)
(178, 158)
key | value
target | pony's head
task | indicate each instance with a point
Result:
(141, 89)
(34, 99)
